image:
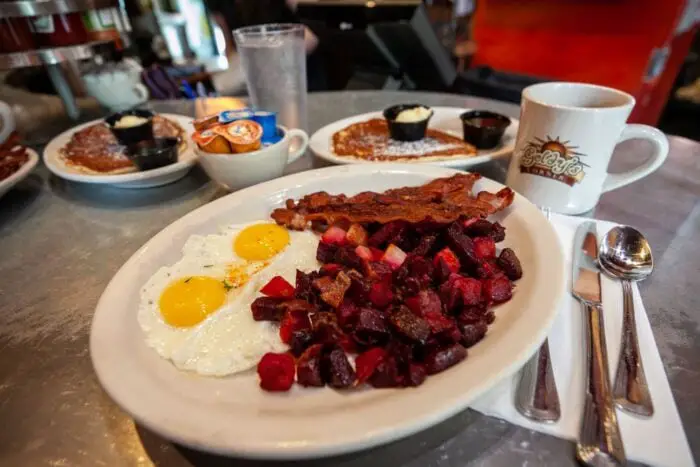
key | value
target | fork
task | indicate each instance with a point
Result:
(536, 395)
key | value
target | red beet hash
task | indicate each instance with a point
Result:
(406, 299)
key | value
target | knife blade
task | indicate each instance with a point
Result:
(599, 441)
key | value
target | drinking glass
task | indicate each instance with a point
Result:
(274, 64)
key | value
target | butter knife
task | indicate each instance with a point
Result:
(599, 441)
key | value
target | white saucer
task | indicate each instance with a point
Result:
(444, 118)
(145, 179)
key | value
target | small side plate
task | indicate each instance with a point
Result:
(145, 179)
(444, 118)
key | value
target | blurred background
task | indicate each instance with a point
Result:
(62, 60)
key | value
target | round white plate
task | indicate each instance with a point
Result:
(444, 118)
(145, 179)
(233, 416)
(21, 174)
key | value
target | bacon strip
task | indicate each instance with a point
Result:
(442, 200)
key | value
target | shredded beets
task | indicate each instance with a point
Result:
(325, 327)
(460, 291)
(386, 374)
(410, 326)
(484, 228)
(347, 314)
(386, 234)
(309, 367)
(300, 340)
(510, 264)
(378, 271)
(267, 309)
(330, 269)
(371, 327)
(442, 270)
(418, 268)
(348, 257)
(497, 290)
(498, 233)
(409, 298)
(473, 333)
(360, 288)
(325, 252)
(462, 245)
(416, 374)
(380, 294)
(487, 269)
(304, 286)
(427, 302)
(336, 369)
(441, 359)
(478, 228)
(425, 245)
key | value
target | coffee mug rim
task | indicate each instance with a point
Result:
(239, 156)
(527, 94)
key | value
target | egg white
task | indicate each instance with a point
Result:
(228, 341)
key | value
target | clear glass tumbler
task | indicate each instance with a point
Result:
(274, 63)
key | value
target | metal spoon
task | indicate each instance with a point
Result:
(625, 254)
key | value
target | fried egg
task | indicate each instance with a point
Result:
(196, 312)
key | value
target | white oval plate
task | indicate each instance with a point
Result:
(233, 416)
(145, 179)
(21, 174)
(444, 118)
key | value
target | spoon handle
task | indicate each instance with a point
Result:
(631, 393)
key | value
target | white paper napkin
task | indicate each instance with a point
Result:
(657, 441)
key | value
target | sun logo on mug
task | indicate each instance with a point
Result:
(553, 159)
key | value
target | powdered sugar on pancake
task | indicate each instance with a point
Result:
(370, 140)
(393, 148)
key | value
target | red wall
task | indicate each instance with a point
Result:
(606, 42)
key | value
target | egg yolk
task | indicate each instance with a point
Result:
(261, 241)
(186, 302)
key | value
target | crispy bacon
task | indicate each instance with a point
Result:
(442, 200)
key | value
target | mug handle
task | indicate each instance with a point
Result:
(141, 91)
(301, 134)
(660, 142)
(7, 121)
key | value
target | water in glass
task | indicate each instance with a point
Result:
(274, 63)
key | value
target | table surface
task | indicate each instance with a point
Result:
(61, 242)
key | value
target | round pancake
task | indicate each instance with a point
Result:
(94, 149)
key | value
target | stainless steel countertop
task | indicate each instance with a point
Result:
(61, 242)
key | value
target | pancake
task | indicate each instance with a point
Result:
(95, 150)
(370, 141)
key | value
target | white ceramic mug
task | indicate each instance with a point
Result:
(7, 121)
(567, 135)
(235, 171)
(116, 90)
